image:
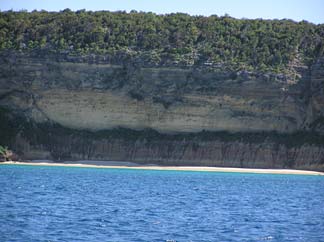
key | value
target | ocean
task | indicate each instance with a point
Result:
(39, 203)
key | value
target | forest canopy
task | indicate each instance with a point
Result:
(170, 39)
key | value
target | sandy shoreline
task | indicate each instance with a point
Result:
(130, 165)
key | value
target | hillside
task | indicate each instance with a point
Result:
(168, 89)
(169, 39)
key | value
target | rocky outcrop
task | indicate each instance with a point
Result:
(316, 105)
(254, 150)
(96, 97)
(105, 96)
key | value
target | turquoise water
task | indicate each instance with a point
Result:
(86, 204)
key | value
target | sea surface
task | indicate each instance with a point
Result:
(39, 203)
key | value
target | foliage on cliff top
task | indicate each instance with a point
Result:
(171, 39)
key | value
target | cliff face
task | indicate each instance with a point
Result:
(316, 105)
(93, 97)
(104, 96)
(174, 150)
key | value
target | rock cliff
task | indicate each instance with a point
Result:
(80, 109)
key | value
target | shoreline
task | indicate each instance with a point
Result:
(134, 166)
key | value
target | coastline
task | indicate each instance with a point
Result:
(130, 165)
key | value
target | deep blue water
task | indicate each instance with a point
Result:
(86, 204)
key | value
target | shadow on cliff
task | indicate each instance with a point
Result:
(30, 140)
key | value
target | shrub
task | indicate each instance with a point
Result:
(5, 154)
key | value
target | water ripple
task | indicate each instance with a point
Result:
(71, 204)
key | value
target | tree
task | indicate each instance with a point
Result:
(256, 44)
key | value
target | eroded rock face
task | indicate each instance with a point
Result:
(105, 96)
(316, 105)
(267, 150)
(97, 97)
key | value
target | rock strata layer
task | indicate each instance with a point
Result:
(96, 97)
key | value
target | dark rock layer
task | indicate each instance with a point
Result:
(55, 108)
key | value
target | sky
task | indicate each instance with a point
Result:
(309, 10)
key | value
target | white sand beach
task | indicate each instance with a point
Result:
(131, 165)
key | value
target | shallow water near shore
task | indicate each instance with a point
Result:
(39, 203)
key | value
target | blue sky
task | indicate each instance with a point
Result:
(310, 10)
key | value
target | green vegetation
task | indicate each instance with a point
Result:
(5, 153)
(172, 39)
